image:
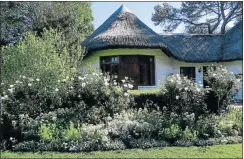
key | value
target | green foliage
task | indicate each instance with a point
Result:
(73, 19)
(171, 134)
(72, 133)
(37, 57)
(191, 14)
(47, 132)
(223, 84)
(182, 95)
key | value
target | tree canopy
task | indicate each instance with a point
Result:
(73, 19)
(198, 17)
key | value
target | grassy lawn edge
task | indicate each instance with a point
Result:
(217, 151)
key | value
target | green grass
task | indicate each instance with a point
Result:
(137, 92)
(218, 151)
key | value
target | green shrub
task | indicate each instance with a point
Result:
(47, 132)
(182, 95)
(171, 134)
(223, 84)
(188, 135)
(72, 133)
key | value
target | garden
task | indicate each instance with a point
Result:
(87, 112)
(49, 107)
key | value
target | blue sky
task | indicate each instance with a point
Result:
(143, 10)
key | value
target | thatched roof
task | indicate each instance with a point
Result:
(232, 47)
(124, 30)
(194, 48)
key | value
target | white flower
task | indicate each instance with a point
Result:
(64, 80)
(24, 77)
(83, 85)
(5, 97)
(186, 88)
(106, 83)
(115, 83)
(171, 80)
(123, 81)
(29, 84)
(80, 78)
(56, 89)
(11, 90)
(94, 73)
(58, 81)
(198, 90)
(54, 118)
(11, 86)
(37, 79)
(130, 86)
(2, 83)
(125, 85)
(31, 79)
(72, 79)
(126, 94)
(126, 78)
(177, 97)
(71, 87)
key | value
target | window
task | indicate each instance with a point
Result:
(109, 64)
(139, 68)
(146, 70)
(189, 72)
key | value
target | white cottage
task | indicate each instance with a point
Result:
(124, 46)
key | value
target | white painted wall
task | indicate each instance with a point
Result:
(165, 65)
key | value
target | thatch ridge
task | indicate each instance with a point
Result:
(123, 29)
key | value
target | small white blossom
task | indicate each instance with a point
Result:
(11, 90)
(125, 85)
(130, 86)
(58, 81)
(2, 83)
(126, 94)
(126, 78)
(83, 85)
(186, 88)
(24, 77)
(198, 90)
(56, 89)
(54, 118)
(177, 97)
(5, 97)
(106, 83)
(115, 83)
(37, 79)
(64, 80)
(11, 86)
(29, 84)
(72, 79)
(123, 81)
(31, 79)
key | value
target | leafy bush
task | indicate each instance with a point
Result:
(42, 57)
(223, 84)
(171, 134)
(183, 143)
(72, 133)
(182, 95)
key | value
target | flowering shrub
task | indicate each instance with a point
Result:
(223, 84)
(182, 95)
(93, 94)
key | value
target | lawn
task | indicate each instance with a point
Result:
(218, 151)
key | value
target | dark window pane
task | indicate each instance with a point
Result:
(189, 72)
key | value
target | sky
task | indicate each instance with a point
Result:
(143, 10)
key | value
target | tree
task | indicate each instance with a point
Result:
(73, 19)
(198, 17)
